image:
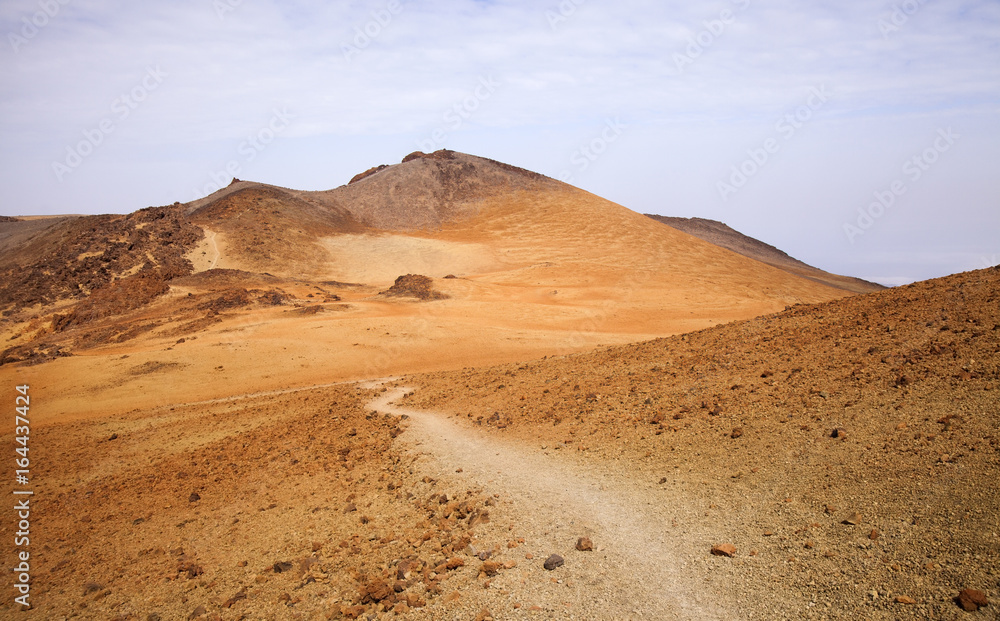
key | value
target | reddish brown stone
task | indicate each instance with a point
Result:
(971, 600)
(490, 568)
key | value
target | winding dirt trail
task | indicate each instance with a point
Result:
(215, 250)
(644, 565)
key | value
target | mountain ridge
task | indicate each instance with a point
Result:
(540, 266)
(724, 236)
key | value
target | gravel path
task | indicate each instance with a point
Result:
(639, 568)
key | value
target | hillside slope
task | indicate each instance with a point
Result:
(519, 266)
(848, 450)
(328, 501)
(724, 236)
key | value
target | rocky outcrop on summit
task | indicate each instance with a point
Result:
(368, 173)
(428, 190)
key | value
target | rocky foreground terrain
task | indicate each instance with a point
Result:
(831, 461)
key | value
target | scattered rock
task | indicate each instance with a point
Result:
(415, 601)
(194, 497)
(91, 587)
(281, 566)
(484, 615)
(853, 519)
(235, 598)
(905, 599)
(190, 568)
(375, 591)
(584, 544)
(737, 432)
(724, 549)
(553, 561)
(490, 568)
(971, 600)
(197, 612)
(838, 432)
(352, 612)
(874, 535)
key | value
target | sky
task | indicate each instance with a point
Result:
(860, 137)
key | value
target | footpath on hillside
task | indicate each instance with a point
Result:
(640, 565)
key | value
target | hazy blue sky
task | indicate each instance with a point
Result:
(861, 137)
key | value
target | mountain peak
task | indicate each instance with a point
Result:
(427, 190)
